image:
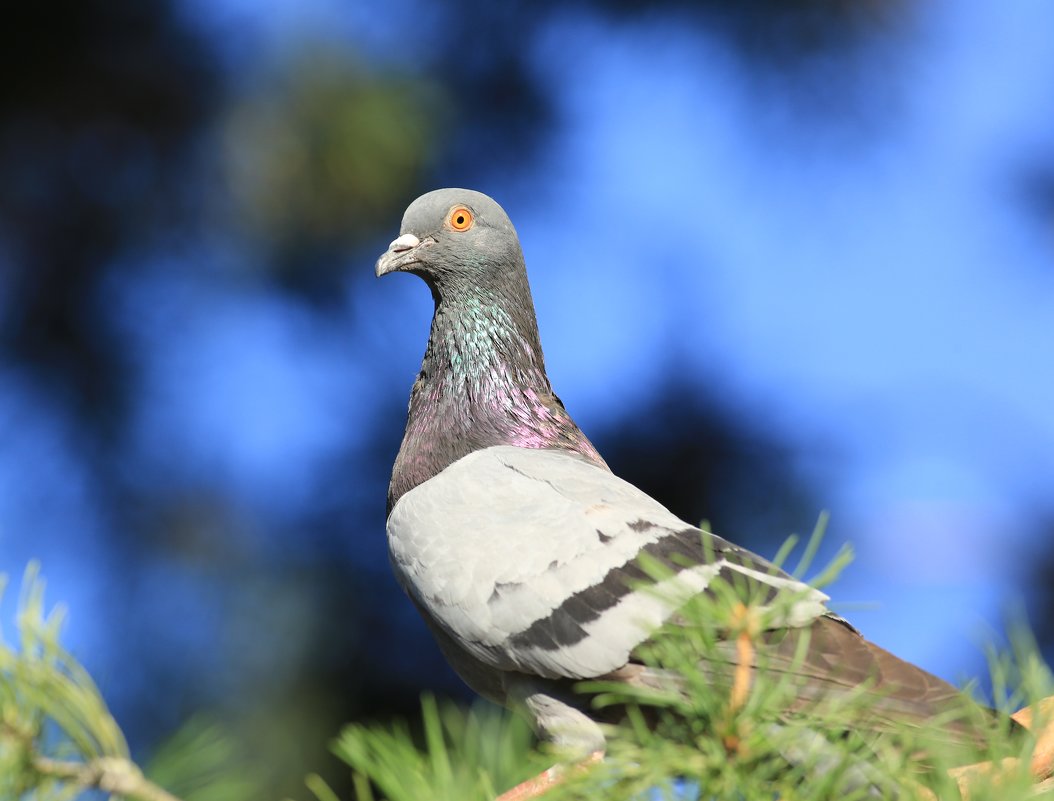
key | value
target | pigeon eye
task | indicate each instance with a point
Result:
(461, 219)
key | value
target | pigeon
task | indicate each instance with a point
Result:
(524, 552)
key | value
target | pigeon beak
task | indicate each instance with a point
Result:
(398, 255)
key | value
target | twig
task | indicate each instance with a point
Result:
(1042, 713)
(109, 774)
(1043, 787)
(1042, 765)
(547, 779)
(747, 624)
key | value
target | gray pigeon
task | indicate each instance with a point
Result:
(521, 548)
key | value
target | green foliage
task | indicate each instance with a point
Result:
(459, 755)
(202, 762)
(327, 152)
(49, 706)
(724, 731)
(59, 742)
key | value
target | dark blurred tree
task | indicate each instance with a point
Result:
(322, 154)
(777, 32)
(1041, 581)
(1036, 188)
(97, 117)
(705, 462)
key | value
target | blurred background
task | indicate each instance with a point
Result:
(786, 256)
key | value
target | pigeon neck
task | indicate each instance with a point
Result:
(482, 353)
(482, 383)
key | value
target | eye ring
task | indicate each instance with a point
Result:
(460, 218)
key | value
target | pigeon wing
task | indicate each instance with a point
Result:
(529, 559)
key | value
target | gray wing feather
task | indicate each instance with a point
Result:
(527, 559)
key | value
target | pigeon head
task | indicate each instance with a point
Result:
(456, 239)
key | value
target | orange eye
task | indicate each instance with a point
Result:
(460, 219)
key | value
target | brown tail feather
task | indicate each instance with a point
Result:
(831, 662)
(835, 662)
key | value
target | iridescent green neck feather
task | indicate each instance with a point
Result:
(482, 383)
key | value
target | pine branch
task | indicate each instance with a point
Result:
(109, 774)
(57, 736)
